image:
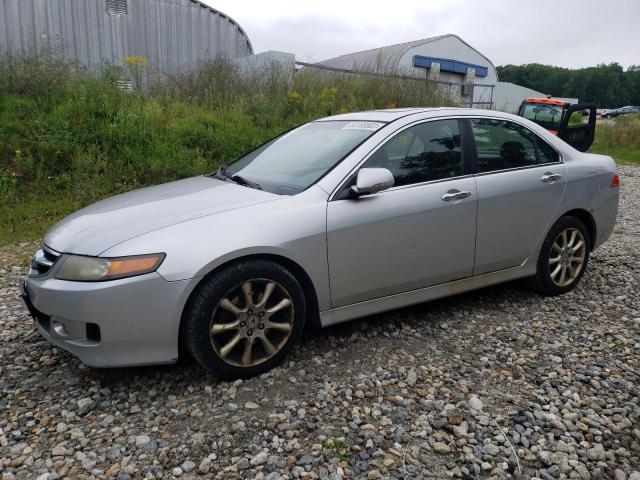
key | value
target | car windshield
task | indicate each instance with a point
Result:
(297, 159)
(548, 116)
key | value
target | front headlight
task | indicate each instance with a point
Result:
(96, 269)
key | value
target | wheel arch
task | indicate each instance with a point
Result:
(585, 217)
(311, 297)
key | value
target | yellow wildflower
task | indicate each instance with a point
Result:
(294, 98)
(137, 61)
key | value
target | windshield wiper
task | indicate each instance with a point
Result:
(243, 181)
(222, 175)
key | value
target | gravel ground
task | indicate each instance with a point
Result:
(496, 383)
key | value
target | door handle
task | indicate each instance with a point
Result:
(550, 177)
(455, 195)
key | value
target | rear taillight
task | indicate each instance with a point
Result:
(615, 183)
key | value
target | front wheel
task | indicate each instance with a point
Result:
(563, 257)
(243, 320)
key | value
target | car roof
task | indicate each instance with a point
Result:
(393, 114)
(409, 115)
(388, 115)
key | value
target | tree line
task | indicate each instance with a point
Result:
(607, 86)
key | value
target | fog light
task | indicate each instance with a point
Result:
(67, 329)
(59, 328)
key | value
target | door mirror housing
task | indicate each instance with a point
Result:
(372, 180)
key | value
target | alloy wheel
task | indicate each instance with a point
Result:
(566, 259)
(252, 322)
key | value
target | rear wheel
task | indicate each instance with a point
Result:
(243, 320)
(563, 257)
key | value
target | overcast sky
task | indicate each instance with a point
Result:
(567, 33)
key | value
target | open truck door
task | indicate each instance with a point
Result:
(575, 124)
(577, 128)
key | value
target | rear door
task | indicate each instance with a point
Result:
(577, 129)
(520, 180)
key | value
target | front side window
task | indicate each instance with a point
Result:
(294, 161)
(502, 145)
(425, 152)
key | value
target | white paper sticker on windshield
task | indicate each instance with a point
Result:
(373, 126)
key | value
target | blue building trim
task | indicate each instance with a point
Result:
(448, 65)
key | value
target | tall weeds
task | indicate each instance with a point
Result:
(275, 93)
(623, 132)
(68, 138)
(620, 139)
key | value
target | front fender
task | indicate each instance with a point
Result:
(293, 228)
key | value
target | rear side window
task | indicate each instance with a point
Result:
(425, 152)
(503, 145)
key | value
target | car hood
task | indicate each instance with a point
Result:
(98, 227)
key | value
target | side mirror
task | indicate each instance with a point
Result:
(372, 180)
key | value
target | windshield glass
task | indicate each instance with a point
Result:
(548, 116)
(295, 160)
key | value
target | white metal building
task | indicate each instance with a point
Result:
(508, 96)
(170, 34)
(463, 71)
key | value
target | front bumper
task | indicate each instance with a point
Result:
(127, 322)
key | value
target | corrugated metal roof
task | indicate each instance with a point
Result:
(231, 20)
(171, 34)
(385, 59)
(382, 59)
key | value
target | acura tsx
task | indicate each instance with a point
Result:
(339, 218)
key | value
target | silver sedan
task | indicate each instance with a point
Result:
(337, 219)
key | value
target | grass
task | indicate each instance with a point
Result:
(619, 139)
(68, 138)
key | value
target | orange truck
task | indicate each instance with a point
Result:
(574, 123)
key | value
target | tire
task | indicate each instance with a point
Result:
(226, 312)
(557, 270)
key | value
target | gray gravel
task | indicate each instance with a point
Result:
(497, 383)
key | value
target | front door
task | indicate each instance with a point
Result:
(520, 184)
(419, 233)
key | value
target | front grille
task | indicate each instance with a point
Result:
(43, 260)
